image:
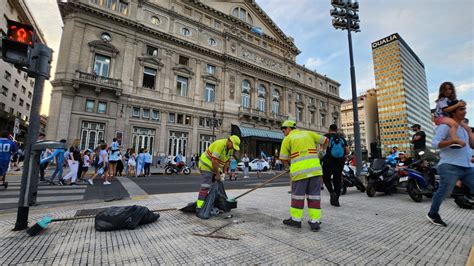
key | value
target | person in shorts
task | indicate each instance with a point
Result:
(259, 167)
(85, 164)
(8, 147)
(233, 167)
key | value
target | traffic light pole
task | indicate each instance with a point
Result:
(29, 178)
(355, 107)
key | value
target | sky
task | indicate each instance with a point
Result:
(440, 32)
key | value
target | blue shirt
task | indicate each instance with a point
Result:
(147, 158)
(7, 148)
(233, 164)
(114, 151)
(178, 158)
(102, 153)
(459, 157)
(59, 154)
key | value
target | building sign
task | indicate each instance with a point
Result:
(385, 40)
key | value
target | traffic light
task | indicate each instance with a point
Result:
(17, 45)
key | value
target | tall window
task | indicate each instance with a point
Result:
(91, 133)
(182, 86)
(261, 98)
(149, 77)
(101, 65)
(183, 60)
(7, 76)
(242, 14)
(209, 92)
(177, 142)
(204, 143)
(211, 69)
(151, 51)
(323, 120)
(299, 114)
(275, 101)
(143, 138)
(155, 20)
(4, 90)
(185, 32)
(312, 117)
(102, 108)
(246, 94)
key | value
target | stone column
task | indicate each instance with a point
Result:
(163, 136)
(198, 86)
(194, 136)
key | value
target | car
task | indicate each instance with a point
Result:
(253, 165)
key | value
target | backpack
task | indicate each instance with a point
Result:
(337, 147)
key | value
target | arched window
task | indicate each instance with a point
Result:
(261, 97)
(242, 14)
(185, 31)
(245, 94)
(275, 101)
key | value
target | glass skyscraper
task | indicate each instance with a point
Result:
(402, 93)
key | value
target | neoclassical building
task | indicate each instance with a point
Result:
(170, 75)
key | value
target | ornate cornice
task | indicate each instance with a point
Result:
(151, 60)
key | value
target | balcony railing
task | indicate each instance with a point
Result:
(93, 78)
(256, 113)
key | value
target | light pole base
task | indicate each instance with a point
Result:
(21, 219)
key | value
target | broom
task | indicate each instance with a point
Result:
(43, 223)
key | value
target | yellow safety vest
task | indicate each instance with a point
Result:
(216, 150)
(300, 148)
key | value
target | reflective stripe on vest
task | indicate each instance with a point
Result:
(304, 158)
(305, 171)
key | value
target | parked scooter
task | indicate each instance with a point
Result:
(382, 178)
(349, 179)
(421, 179)
(171, 168)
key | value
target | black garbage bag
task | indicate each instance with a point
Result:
(126, 217)
(215, 199)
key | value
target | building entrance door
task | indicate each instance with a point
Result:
(143, 138)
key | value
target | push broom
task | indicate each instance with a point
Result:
(43, 223)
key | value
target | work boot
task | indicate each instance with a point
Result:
(332, 199)
(314, 226)
(292, 223)
(336, 201)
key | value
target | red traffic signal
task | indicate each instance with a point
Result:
(21, 33)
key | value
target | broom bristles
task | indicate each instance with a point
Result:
(39, 226)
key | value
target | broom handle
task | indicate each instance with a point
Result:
(263, 184)
(93, 216)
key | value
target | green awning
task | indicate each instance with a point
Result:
(261, 133)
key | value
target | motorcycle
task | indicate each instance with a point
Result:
(381, 178)
(171, 168)
(421, 179)
(349, 179)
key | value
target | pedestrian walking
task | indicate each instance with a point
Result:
(119, 167)
(132, 163)
(7, 149)
(213, 163)
(259, 167)
(103, 166)
(58, 155)
(233, 167)
(85, 164)
(454, 164)
(44, 153)
(140, 163)
(333, 163)
(418, 140)
(246, 162)
(148, 161)
(113, 157)
(73, 162)
(193, 161)
(300, 148)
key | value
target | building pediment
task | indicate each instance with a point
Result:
(259, 19)
(182, 69)
(103, 46)
(151, 60)
(210, 78)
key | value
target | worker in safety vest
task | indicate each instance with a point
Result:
(213, 164)
(300, 149)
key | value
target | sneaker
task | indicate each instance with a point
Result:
(61, 182)
(73, 184)
(333, 200)
(336, 201)
(436, 219)
(107, 183)
(314, 226)
(292, 223)
(90, 182)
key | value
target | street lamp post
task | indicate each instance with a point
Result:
(346, 18)
(214, 113)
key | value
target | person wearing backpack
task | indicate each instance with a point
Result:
(333, 163)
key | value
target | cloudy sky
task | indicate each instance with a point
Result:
(440, 32)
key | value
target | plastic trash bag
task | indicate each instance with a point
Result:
(127, 217)
(215, 199)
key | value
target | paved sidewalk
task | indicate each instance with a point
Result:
(381, 230)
